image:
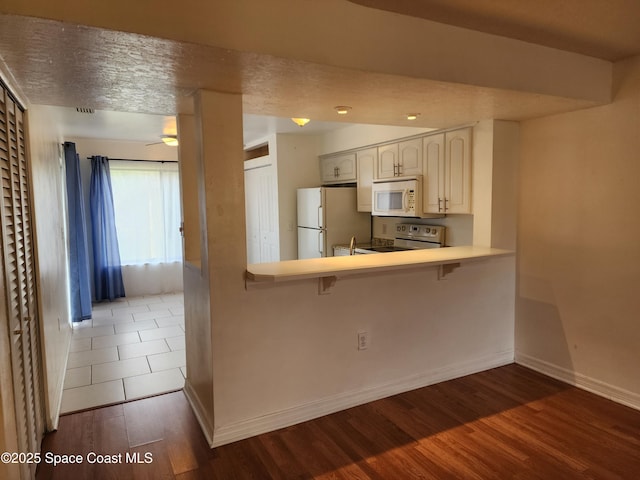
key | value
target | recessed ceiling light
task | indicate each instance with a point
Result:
(301, 122)
(342, 109)
(412, 116)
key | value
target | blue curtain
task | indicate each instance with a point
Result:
(107, 271)
(80, 288)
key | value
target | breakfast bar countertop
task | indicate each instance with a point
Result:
(342, 266)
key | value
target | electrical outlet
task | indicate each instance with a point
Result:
(363, 340)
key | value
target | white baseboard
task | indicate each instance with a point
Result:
(611, 392)
(199, 412)
(54, 408)
(325, 406)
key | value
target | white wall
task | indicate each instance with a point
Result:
(358, 136)
(291, 354)
(298, 167)
(87, 147)
(50, 205)
(295, 162)
(579, 255)
(494, 179)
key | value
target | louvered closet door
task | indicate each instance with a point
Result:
(19, 281)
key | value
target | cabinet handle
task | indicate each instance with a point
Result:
(439, 204)
(17, 332)
(445, 204)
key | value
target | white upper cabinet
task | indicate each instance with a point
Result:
(443, 159)
(365, 161)
(433, 179)
(338, 168)
(410, 157)
(458, 171)
(400, 159)
(447, 168)
(387, 164)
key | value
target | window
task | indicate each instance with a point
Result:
(146, 198)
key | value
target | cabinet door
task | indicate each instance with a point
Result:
(328, 172)
(338, 169)
(365, 160)
(346, 165)
(410, 162)
(387, 161)
(433, 179)
(458, 171)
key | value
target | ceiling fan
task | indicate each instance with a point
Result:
(170, 140)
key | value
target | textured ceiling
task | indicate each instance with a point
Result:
(55, 63)
(606, 29)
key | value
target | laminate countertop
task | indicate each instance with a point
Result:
(359, 264)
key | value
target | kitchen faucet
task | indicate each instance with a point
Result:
(352, 246)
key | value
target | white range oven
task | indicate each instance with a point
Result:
(409, 236)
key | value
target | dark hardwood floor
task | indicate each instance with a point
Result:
(505, 423)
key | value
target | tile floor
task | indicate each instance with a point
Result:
(131, 348)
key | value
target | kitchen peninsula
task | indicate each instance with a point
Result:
(282, 351)
(450, 257)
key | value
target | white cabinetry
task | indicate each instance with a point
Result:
(447, 168)
(433, 179)
(400, 159)
(365, 162)
(443, 159)
(338, 168)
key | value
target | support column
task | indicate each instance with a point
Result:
(213, 290)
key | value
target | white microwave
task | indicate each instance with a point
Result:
(397, 197)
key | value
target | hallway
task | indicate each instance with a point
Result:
(131, 348)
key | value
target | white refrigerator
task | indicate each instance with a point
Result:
(328, 216)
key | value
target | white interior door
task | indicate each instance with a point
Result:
(262, 219)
